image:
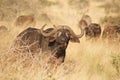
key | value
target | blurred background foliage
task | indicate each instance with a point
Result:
(9, 9)
(112, 12)
(79, 4)
(111, 19)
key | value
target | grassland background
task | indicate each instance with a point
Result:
(86, 60)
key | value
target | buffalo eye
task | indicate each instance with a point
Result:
(68, 34)
(59, 33)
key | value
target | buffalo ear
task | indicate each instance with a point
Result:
(75, 39)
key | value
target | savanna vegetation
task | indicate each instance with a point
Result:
(87, 60)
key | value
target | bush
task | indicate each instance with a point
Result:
(116, 62)
(110, 19)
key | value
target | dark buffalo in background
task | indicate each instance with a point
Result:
(111, 33)
(54, 40)
(25, 21)
(92, 30)
(3, 28)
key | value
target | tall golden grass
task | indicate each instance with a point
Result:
(87, 60)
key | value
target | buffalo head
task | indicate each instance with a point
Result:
(59, 38)
(62, 34)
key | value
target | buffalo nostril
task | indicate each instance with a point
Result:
(64, 39)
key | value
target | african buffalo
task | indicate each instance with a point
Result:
(3, 28)
(25, 20)
(92, 30)
(54, 40)
(111, 33)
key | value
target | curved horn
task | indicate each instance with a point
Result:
(47, 34)
(58, 26)
(83, 24)
(54, 26)
(81, 34)
(43, 26)
(72, 33)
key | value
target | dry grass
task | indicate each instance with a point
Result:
(88, 60)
